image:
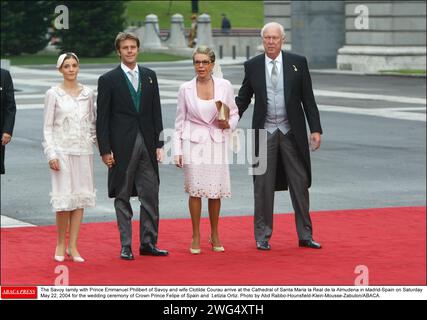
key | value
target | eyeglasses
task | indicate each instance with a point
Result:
(203, 63)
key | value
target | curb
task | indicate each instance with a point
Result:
(376, 74)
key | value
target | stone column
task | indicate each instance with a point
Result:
(318, 31)
(204, 30)
(279, 11)
(151, 39)
(387, 35)
(139, 32)
(177, 32)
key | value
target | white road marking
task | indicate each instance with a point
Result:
(169, 91)
(31, 106)
(391, 113)
(7, 222)
(174, 93)
(365, 96)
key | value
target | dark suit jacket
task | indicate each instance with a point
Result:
(7, 110)
(118, 122)
(299, 102)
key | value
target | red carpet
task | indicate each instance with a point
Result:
(391, 242)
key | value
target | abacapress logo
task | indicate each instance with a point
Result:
(19, 292)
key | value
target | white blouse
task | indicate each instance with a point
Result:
(69, 123)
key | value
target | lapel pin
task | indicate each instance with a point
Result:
(295, 68)
(151, 81)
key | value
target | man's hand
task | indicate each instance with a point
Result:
(54, 164)
(159, 154)
(108, 159)
(5, 139)
(178, 161)
(315, 141)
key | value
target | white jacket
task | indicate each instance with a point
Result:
(69, 123)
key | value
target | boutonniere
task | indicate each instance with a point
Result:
(295, 68)
(151, 80)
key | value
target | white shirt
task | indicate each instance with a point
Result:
(126, 69)
(269, 65)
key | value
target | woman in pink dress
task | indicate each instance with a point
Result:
(69, 134)
(201, 143)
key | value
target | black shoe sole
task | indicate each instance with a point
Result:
(151, 254)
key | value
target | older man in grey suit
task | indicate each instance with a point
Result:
(283, 100)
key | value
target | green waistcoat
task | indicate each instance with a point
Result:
(136, 95)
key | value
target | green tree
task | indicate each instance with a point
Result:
(93, 26)
(24, 26)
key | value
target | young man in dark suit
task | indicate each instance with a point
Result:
(284, 99)
(129, 123)
(8, 111)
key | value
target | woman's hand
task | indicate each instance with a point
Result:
(179, 161)
(223, 124)
(54, 164)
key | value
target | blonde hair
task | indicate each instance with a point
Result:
(205, 50)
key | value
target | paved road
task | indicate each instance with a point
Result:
(373, 152)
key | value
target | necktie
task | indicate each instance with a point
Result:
(134, 79)
(274, 74)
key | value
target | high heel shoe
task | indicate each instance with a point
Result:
(195, 251)
(59, 258)
(216, 248)
(75, 259)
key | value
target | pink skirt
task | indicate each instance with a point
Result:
(206, 170)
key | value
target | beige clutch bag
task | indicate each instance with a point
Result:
(223, 111)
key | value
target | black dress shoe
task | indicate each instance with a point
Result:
(126, 253)
(262, 245)
(309, 244)
(152, 250)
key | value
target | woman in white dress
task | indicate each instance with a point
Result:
(69, 134)
(201, 143)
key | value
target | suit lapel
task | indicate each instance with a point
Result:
(287, 76)
(123, 87)
(146, 86)
(192, 96)
(261, 69)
